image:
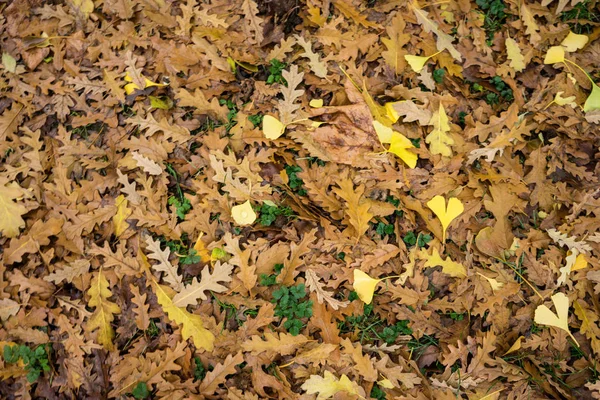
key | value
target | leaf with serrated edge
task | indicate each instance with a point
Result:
(195, 290)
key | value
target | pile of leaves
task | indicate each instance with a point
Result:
(299, 199)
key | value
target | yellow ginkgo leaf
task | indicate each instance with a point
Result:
(449, 267)
(384, 133)
(364, 286)
(272, 127)
(417, 62)
(131, 87)
(574, 42)
(561, 101)
(243, 214)
(445, 214)
(391, 112)
(593, 100)
(386, 383)
(493, 283)
(316, 103)
(560, 320)
(580, 263)
(399, 145)
(555, 54)
(516, 346)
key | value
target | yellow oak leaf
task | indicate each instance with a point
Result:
(104, 311)
(121, 215)
(243, 214)
(445, 214)
(191, 324)
(555, 54)
(574, 42)
(399, 145)
(328, 385)
(10, 212)
(560, 320)
(438, 140)
(272, 127)
(364, 286)
(449, 267)
(513, 52)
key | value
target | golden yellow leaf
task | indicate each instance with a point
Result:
(574, 42)
(392, 114)
(438, 140)
(121, 215)
(493, 283)
(386, 383)
(384, 133)
(555, 54)
(201, 249)
(103, 315)
(513, 52)
(131, 87)
(416, 62)
(10, 212)
(580, 263)
(515, 346)
(243, 214)
(449, 267)
(328, 385)
(272, 127)
(561, 101)
(560, 320)
(315, 103)
(364, 286)
(191, 324)
(445, 214)
(593, 100)
(399, 145)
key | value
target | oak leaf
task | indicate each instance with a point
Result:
(439, 141)
(10, 211)
(328, 385)
(195, 290)
(219, 374)
(104, 312)
(313, 284)
(284, 344)
(171, 276)
(147, 164)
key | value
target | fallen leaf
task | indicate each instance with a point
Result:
(560, 320)
(272, 127)
(328, 385)
(574, 42)
(243, 214)
(446, 214)
(364, 286)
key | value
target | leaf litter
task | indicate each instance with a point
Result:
(307, 199)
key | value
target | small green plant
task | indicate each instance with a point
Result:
(421, 240)
(389, 334)
(290, 304)
(378, 393)
(503, 89)
(153, 330)
(191, 257)
(141, 391)
(178, 247)
(199, 370)
(231, 115)
(181, 207)
(271, 280)
(269, 213)
(256, 119)
(438, 75)
(275, 71)
(384, 229)
(296, 184)
(36, 360)
(457, 316)
(495, 16)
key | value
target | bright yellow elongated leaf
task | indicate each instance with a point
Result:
(574, 42)
(555, 54)
(121, 215)
(103, 315)
(438, 140)
(191, 324)
(560, 320)
(449, 267)
(593, 100)
(243, 214)
(272, 127)
(364, 286)
(392, 114)
(561, 101)
(131, 87)
(513, 52)
(399, 145)
(201, 249)
(328, 385)
(515, 346)
(445, 214)
(384, 133)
